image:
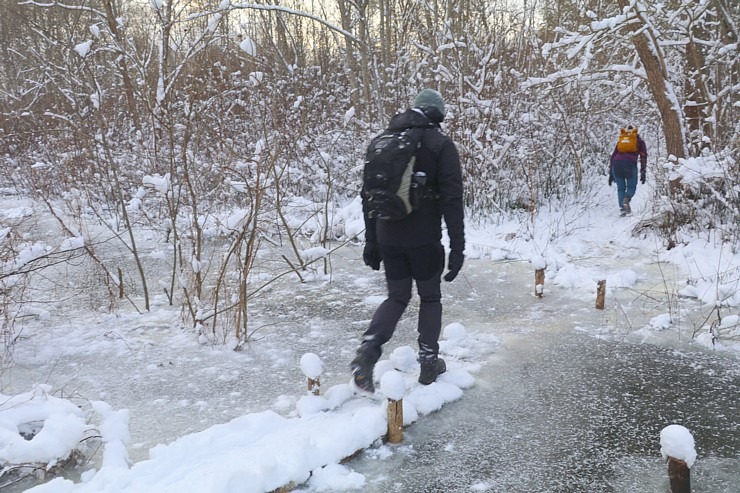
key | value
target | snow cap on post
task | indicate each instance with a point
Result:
(393, 385)
(677, 442)
(311, 365)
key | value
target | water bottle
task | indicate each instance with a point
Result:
(418, 181)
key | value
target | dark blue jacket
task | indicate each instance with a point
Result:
(439, 159)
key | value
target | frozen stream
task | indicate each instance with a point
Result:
(573, 399)
(558, 410)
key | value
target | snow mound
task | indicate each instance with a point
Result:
(258, 452)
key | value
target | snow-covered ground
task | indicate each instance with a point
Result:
(173, 415)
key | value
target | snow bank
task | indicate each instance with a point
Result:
(257, 452)
(38, 428)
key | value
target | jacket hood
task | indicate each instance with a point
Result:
(413, 117)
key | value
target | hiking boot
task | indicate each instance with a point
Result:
(362, 372)
(430, 368)
(626, 209)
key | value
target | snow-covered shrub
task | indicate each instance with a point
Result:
(701, 195)
(40, 433)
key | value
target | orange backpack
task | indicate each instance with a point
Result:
(627, 140)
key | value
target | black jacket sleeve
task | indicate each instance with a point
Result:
(370, 232)
(451, 195)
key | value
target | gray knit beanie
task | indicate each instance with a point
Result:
(430, 97)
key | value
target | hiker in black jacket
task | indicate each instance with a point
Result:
(411, 248)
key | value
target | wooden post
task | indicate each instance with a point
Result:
(314, 386)
(679, 475)
(600, 294)
(539, 282)
(395, 421)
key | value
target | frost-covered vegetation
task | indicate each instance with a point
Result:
(190, 154)
(214, 128)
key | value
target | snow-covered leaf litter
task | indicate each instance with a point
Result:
(260, 451)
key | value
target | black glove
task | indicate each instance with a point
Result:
(454, 264)
(371, 256)
(611, 179)
(642, 176)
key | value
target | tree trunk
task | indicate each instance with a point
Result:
(660, 87)
(697, 104)
(128, 84)
(350, 54)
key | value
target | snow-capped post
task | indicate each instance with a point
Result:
(314, 386)
(539, 282)
(677, 447)
(393, 386)
(312, 368)
(600, 294)
(540, 265)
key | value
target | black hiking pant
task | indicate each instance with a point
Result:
(403, 265)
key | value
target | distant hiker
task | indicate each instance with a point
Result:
(623, 166)
(411, 247)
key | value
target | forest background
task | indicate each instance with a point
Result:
(235, 133)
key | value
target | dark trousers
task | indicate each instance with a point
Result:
(403, 265)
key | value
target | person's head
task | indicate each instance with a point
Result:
(431, 103)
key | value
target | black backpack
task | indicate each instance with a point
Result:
(391, 187)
